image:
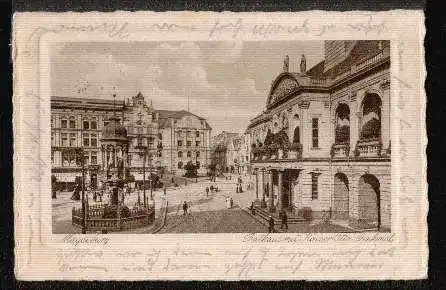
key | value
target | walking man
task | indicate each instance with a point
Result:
(184, 208)
(284, 223)
(207, 191)
(271, 225)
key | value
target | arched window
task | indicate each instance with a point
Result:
(296, 136)
(371, 117)
(180, 154)
(342, 130)
(180, 165)
(189, 154)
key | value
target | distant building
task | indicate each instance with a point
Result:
(225, 151)
(172, 138)
(323, 142)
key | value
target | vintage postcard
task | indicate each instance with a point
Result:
(209, 146)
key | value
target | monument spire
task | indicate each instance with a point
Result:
(286, 64)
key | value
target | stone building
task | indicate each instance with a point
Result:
(225, 151)
(157, 136)
(323, 141)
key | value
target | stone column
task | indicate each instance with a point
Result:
(257, 201)
(354, 121)
(279, 189)
(262, 188)
(353, 206)
(385, 115)
(271, 192)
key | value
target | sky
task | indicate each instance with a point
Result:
(227, 82)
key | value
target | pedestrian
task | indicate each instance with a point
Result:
(271, 225)
(95, 196)
(165, 190)
(172, 180)
(231, 202)
(284, 223)
(240, 189)
(184, 208)
(236, 188)
(212, 188)
(207, 191)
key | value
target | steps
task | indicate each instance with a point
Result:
(264, 214)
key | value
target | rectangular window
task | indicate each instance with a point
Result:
(86, 158)
(72, 124)
(63, 124)
(72, 139)
(189, 154)
(52, 157)
(105, 124)
(180, 154)
(86, 140)
(314, 180)
(180, 143)
(198, 154)
(52, 138)
(94, 125)
(86, 125)
(197, 143)
(197, 134)
(139, 141)
(315, 128)
(94, 140)
(188, 143)
(94, 158)
(64, 139)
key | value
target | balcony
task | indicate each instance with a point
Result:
(368, 148)
(340, 150)
(274, 152)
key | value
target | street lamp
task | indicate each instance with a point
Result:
(196, 168)
(144, 153)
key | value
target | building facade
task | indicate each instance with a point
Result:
(231, 151)
(323, 142)
(153, 137)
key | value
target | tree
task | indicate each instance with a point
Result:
(191, 170)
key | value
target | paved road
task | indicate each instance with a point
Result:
(193, 193)
(232, 220)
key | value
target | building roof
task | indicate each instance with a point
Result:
(166, 115)
(361, 50)
(176, 114)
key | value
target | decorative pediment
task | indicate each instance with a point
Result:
(281, 88)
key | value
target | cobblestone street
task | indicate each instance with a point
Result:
(209, 213)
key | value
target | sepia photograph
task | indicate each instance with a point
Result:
(154, 137)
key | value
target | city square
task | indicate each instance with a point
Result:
(314, 158)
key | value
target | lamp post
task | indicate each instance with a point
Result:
(144, 153)
(196, 168)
